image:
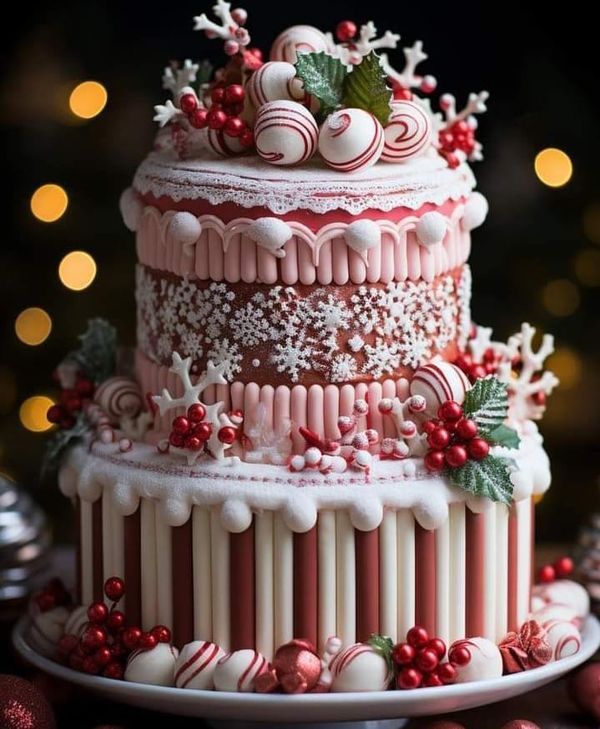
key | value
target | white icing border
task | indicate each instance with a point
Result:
(241, 488)
(249, 182)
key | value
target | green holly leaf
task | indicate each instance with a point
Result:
(489, 477)
(323, 77)
(60, 441)
(97, 355)
(504, 436)
(384, 645)
(487, 404)
(366, 88)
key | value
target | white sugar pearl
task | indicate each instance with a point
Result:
(312, 456)
(285, 133)
(408, 132)
(351, 140)
(298, 39)
(297, 463)
(361, 407)
(431, 229)
(363, 459)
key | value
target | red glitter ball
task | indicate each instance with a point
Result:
(114, 588)
(23, 706)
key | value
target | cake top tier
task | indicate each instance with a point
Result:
(338, 100)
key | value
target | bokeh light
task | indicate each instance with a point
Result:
(32, 413)
(561, 297)
(553, 167)
(49, 203)
(591, 222)
(567, 366)
(33, 326)
(8, 390)
(586, 265)
(88, 99)
(77, 270)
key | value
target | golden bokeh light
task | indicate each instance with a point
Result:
(32, 413)
(33, 326)
(88, 99)
(591, 222)
(586, 265)
(49, 203)
(560, 297)
(8, 390)
(553, 167)
(77, 270)
(567, 366)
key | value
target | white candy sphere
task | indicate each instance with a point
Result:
(77, 621)
(298, 39)
(222, 144)
(46, 629)
(119, 396)
(362, 235)
(431, 229)
(408, 132)
(554, 611)
(565, 592)
(359, 668)
(155, 666)
(564, 638)
(184, 228)
(237, 671)
(132, 207)
(438, 382)
(275, 81)
(285, 133)
(351, 140)
(485, 663)
(196, 663)
(476, 210)
(271, 234)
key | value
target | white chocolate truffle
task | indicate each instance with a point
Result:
(195, 665)
(438, 382)
(285, 133)
(359, 668)
(237, 671)
(155, 666)
(408, 132)
(77, 621)
(298, 39)
(565, 592)
(554, 611)
(46, 629)
(351, 140)
(485, 662)
(119, 396)
(564, 638)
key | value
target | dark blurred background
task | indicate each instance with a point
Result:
(537, 258)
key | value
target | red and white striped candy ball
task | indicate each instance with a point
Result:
(195, 665)
(237, 671)
(351, 140)
(298, 39)
(438, 382)
(408, 132)
(222, 144)
(564, 638)
(285, 133)
(359, 668)
(274, 81)
(119, 396)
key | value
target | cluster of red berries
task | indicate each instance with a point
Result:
(459, 136)
(191, 431)
(419, 661)
(54, 594)
(476, 370)
(452, 439)
(72, 400)
(561, 569)
(107, 641)
(227, 103)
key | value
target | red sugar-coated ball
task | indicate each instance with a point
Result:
(584, 689)
(73, 404)
(131, 637)
(216, 118)
(198, 118)
(456, 456)
(176, 440)
(464, 361)
(161, 633)
(114, 588)
(89, 665)
(114, 670)
(45, 601)
(437, 645)
(409, 678)
(466, 429)
(23, 705)
(55, 413)
(564, 567)
(434, 461)
(403, 654)
(196, 412)
(539, 398)
(103, 656)
(97, 612)
(115, 620)
(180, 425)
(93, 638)
(547, 573)
(118, 650)
(402, 94)
(227, 434)
(460, 655)
(432, 679)
(187, 103)
(450, 410)
(417, 637)
(438, 438)
(217, 94)
(247, 138)
(478, 448)
(234, 126)
(85, 387)
(426, 660)
(203, 431)
(520, 724)
(147, 641)
(429, 426)
(66, 645)
(446, 672)
(345, 31)
(67, 422)
(193, 443)
(477, 371)
(234, 94)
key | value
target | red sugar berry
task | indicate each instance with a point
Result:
(103, 656)
(234, 126)
(466, 429)
(97, 612)
(114, 670)
(188, 103)
(417, 637)
(456, 456)
(450, 410)
(403, 654)
(459, 656)
(67, 422)
(193, 443)
(446, 672)
(180, 425)
(227, 434)
(217, 94)
(176, 440)
(148, 641)
(55, 413)
(247, 138)
(477, 372)
(66, 645)
(234, 94)
(409, 678)
(198, 118)
(431, 680)
(131, 637)
(426, 660)
(73, 404)
(115, 620)
(93, 638)
(547, 573)
(85, 387)
(402, 94)
(161, 633)
(564, 567)
(216, 118)
(45, 601)
(437, 645)
(114, 588)
(478, 448)
(464, 361)
(89, 665)
(345, 31)
(539, 398)
(203, 431)
(438, 438)
(429, 426)
(196, 413)
(434, 461)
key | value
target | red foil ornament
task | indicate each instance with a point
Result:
(23, 706)
(526, 649)
(584, 689)
(296, 669)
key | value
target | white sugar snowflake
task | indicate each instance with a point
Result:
(249, 325)
(191, 343)
(381, 358)
(226, 353)
(464, 310)
(367, 307)
(330, 315)
(356, 343)
(414, 349)
(291, 357)
(343, 368)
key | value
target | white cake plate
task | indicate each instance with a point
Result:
(349, 710)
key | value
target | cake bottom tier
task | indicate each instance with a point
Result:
(267, 584)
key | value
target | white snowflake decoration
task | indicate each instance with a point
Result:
(367, 41)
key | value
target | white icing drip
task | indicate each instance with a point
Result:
(241, 488)
(249, 182)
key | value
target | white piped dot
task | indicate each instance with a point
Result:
(236, 516)
(300, 514)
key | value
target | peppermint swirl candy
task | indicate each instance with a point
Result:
(298, 39)
(285, 133)
(408, 132)
(119, 396)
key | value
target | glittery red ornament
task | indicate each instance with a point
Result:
(23, 706)
(443, 724)
(296, 669)
(529, 648)
(584, 689)
(520, 724)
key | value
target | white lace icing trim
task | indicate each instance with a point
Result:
(239, 489)
(249, 182)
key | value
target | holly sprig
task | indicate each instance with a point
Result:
(335, 85)
(384, 645)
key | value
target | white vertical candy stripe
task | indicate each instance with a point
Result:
(219, 557)
(457, 591)
(202, 573)
(263, 546)
(345, 579)
(405, 526)
(118, 543)
(489, 571)
(388, 570)
(148, 564)
(523, 558)
(107, 537)
(284, 581)
(164, 572)
(442, 581)
(87, 563)
(502, 571)
(327, 577)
